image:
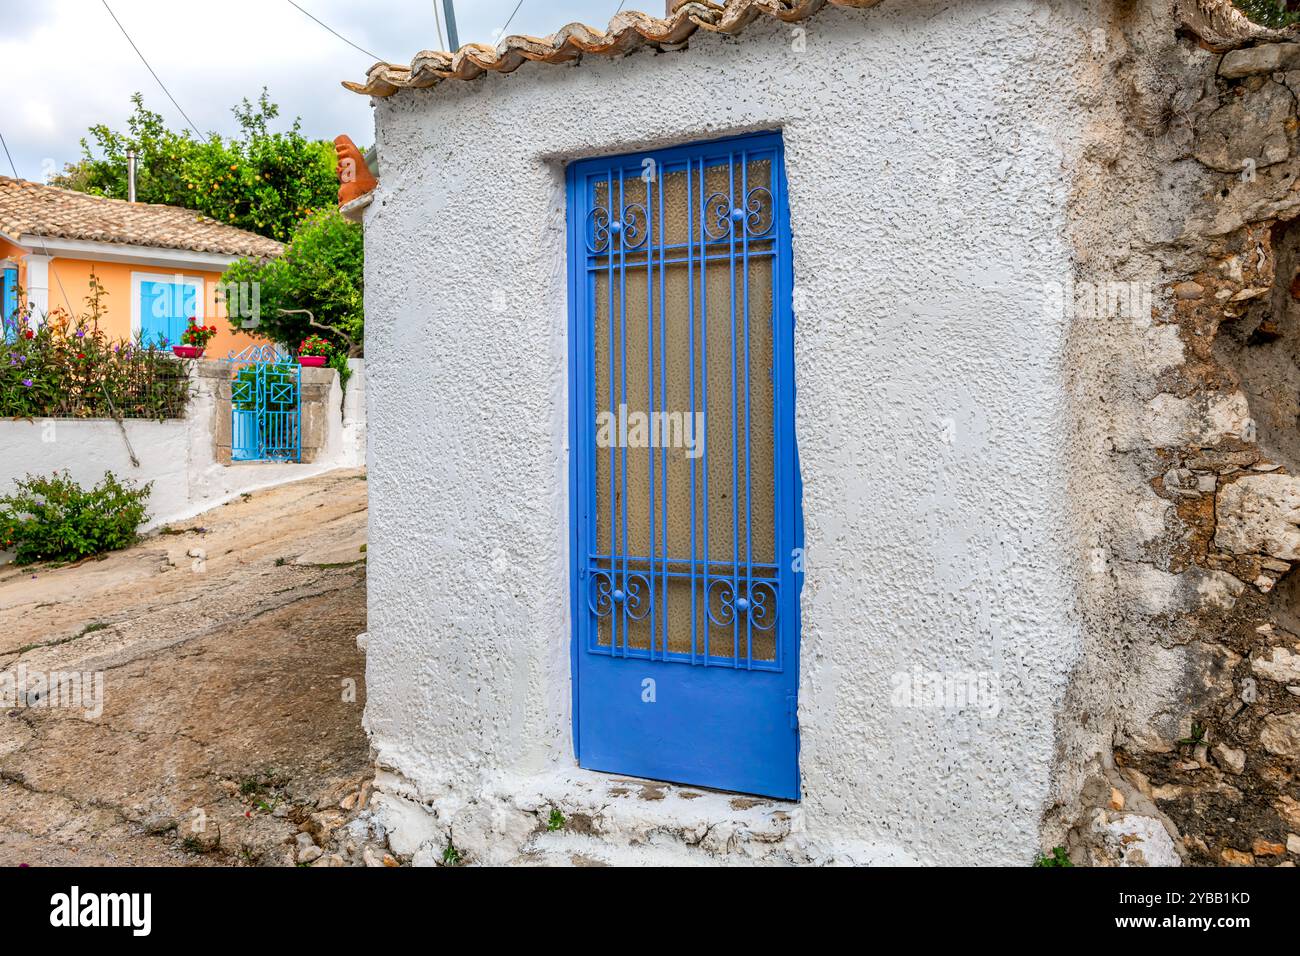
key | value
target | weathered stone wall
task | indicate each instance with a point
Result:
(1182, 731)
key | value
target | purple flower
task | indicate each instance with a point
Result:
(81, 333)
(27, 383)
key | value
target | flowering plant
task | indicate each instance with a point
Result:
(64, 367)
(314, 345)
(198, 335)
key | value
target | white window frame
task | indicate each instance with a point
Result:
(38, 287)
(139, 278)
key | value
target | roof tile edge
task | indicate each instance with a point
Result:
(627, 31)
(1217, 23)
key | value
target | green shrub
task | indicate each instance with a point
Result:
(55, 519)
(1059, 857)
(339, 362)
(322, 272)
(1270, 13)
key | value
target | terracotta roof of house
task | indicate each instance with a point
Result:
(1218, 22)
(627, 31)
(28, 208)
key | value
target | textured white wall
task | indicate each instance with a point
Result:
(929, 157)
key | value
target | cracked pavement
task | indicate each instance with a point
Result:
(232, 687)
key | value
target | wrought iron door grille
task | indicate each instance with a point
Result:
(679, 541)
(265, 406)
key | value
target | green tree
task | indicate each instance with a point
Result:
(316, 286)
(262, 181)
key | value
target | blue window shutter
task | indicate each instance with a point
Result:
(188, 298)
(9, 302)
(154, 311)
(165, 310)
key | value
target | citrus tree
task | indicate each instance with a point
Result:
(260, 180)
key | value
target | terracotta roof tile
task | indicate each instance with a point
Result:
(32, 209)
(1219, 24)
(627, 32)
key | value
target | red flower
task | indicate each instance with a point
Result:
(29, 334)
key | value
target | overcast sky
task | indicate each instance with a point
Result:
(68, 66)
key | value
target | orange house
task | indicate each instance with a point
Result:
(159, 265)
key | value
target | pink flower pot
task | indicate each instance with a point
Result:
(312, 361)
(187, 351)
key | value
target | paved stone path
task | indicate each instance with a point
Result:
(232, 691)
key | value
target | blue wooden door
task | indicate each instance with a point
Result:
(9, 302)
(686, 521)
(165, 310)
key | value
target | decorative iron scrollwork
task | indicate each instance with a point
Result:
(604, 593)
(758, 603)
(719, 219)
(630, 231)
(259, 353)
(597, 231)
(635, 222)
(759, 207)
(716, 217)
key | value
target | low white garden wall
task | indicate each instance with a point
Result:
(178, 456)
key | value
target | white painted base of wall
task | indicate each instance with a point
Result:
(608, 819)
(183, 486)
(178, 456)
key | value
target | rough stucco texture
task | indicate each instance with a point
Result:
(928, 150)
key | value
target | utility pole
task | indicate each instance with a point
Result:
(449, 11)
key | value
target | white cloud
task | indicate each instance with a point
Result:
(212, 55)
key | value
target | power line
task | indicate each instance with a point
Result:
(9, 156)
(437, 22)
(44, 247)
(151, 69)
(511, 20)
(335, 32)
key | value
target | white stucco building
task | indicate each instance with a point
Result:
(876, 213)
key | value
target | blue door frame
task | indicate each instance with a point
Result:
(711, 700)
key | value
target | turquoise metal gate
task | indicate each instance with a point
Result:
(265, 405)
